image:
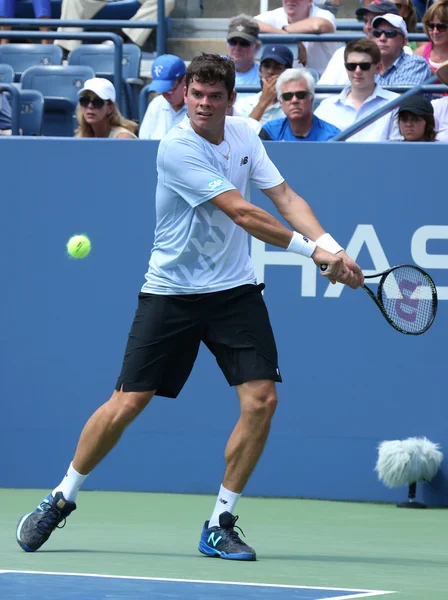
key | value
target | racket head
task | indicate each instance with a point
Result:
(407, 297)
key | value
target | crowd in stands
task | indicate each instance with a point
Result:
(286, 107)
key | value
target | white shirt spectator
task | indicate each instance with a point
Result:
(245, 106)
(335, 73)
(251, 77)
(441, 117)
(159, 118)
(339, 111)
(318, 53)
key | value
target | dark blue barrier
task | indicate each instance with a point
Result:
(350, 380)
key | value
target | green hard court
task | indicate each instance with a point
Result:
(298, 542)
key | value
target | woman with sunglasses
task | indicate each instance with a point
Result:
(435, 24)
(98, 115)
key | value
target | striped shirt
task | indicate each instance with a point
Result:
(408, 69)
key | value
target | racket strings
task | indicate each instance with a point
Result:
(407, 296)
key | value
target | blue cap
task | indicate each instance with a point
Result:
(279, 53)
(165, 70)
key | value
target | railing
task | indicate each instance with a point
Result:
(96, 24)
(427, 88)
(288, 38)
(15, 105)
(82, 35)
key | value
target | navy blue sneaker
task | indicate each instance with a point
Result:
(224, 542)
(34, 529)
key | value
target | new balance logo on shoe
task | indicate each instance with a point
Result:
(211, 539)
(244, 161)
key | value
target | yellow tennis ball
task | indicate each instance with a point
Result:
(78, 246)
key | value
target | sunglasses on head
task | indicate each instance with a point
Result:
(439, 26)
(239, 42)
(389, 33)
(287, 96)
(95, 102)
(364, 66)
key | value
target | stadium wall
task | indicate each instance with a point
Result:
(350, 380)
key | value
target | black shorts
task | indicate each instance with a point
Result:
(167, 330)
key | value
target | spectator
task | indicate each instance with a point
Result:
(169, 108)
(98, 115)
(416, 120)
(406, 9)
(265, 106)
(335, 73)
(440, 107)
(435, 24)
(397, 67)
(5, 115)
(76, 10)
(42, 10)
(302, 16)
(242, 45)
(295, 89)
(362, 97)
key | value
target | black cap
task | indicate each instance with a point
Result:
(379, 7)
(417, 105)
(279, 53)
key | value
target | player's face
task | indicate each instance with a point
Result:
(412, 127)
(207, 105)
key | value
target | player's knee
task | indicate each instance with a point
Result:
(128, 405)
(263, 401)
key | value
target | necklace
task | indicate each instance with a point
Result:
(226, 156)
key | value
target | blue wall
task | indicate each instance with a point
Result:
(350, 380)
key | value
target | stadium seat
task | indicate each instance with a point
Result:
(101, 58)
(31, 112)
(22, 56)
(60, 87)
(6, 74)
(119, 9)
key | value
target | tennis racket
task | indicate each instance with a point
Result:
(406, 297)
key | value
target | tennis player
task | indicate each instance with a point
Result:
(200, 287)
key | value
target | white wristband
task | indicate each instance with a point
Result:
(301, 245)
(329, 244)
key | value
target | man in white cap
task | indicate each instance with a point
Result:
(168, 108)
(397, 67)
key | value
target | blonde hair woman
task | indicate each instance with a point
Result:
(98, 115)
(435, 24)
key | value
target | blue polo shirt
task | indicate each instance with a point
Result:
(280, 130)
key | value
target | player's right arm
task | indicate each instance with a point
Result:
(263, 226)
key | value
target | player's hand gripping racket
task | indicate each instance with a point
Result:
(406, 296)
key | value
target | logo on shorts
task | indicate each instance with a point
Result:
(215, 183)
(244, 161)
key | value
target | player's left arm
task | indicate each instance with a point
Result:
(298, 213)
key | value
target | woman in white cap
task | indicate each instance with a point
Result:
(98, 115)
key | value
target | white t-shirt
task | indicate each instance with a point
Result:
(197, 247)
(245, 106)
(340, 112)
(159, 118)
(319, 53)
(441, 117)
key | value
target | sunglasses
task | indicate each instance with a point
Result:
(95, 102)
(364, 66)
(439, 26)
(239, 42)
(389, 33)
(287, 96)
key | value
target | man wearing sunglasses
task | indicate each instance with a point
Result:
(295, 90)
(397, 67)
(242, 45)
(362, 97)
(168, 108)
(265, 106)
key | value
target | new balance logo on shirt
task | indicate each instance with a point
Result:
(244, 161)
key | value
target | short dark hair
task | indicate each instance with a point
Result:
(365, 46)
(212, 68)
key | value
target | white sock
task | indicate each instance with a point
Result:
(226, 501)
(70, 485)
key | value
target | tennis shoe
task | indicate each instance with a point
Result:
(224, 541)
(34, 529)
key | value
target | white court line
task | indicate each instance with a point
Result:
(361, 593)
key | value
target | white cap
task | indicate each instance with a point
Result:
(394, 20)
(103, 88)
